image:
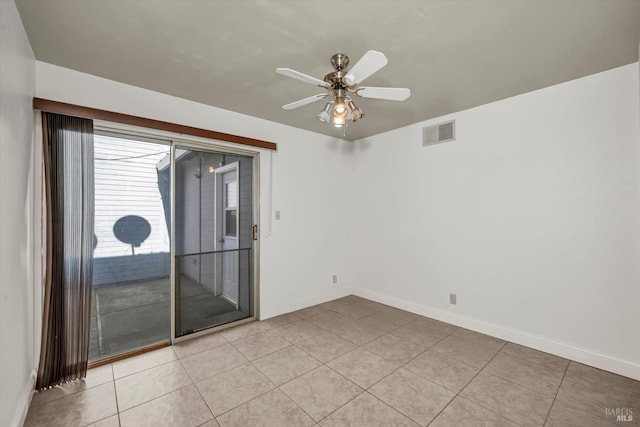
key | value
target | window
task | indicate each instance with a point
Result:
(231, 227)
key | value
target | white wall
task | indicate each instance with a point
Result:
(299, 253)
(17, 86)
(531, 217)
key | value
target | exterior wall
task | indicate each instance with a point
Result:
(188, 215)
(126, 183)
(195, 208)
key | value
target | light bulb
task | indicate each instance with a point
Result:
(339, 121)
(339, 109)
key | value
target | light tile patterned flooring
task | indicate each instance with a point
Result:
(348, 362)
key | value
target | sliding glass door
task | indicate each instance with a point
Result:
(200, 264)
(213, 239)
(131, 272)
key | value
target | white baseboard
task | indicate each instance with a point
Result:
(20, 416)
(338, 292)
(585, 356)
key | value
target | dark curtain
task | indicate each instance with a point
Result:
(68, 161)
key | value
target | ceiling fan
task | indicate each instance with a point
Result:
(341, 84)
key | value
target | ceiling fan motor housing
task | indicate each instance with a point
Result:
(340, 61)
(335, 79)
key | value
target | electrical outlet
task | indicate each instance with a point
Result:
(335, 279)
(277, 215)
(453, 299)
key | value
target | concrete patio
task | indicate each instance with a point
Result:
(132, 315)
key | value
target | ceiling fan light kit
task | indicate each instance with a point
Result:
(326, 112)
(341, 85)
(356, 112)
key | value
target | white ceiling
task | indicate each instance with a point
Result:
(452, 54)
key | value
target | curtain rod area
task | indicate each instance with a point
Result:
(96, 114)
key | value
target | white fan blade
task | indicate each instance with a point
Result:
(305, 101)
(390, 93)
(370, 62)
(300, 76)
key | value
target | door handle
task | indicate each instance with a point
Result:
(254, 232)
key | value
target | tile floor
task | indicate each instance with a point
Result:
(348, 362)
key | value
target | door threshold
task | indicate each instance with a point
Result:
(122, 356)
(213, 330)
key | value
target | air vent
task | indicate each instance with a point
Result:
(443, 132)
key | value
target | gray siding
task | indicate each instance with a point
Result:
(195, 220)
(195, 208)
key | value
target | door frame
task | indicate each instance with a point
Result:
(220, 235)
(155, 135)
(204, 144)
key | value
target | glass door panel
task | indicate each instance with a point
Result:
(213, 239)
(131, 291)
